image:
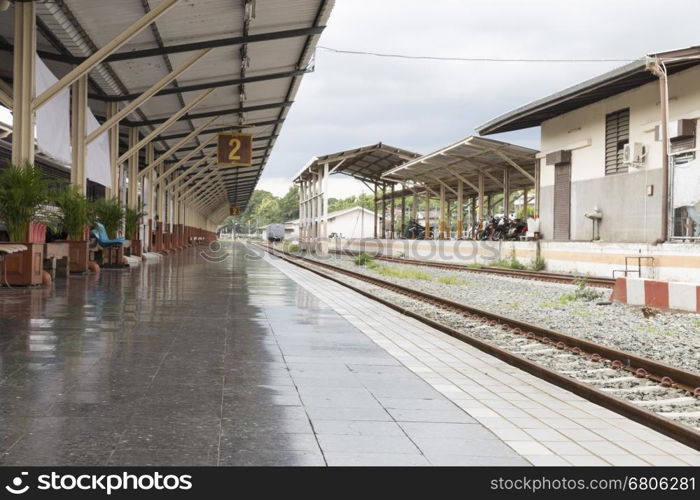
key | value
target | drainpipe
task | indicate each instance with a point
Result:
(657, 67)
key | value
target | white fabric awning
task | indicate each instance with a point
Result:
(52, 119)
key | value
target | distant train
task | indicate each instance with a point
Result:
(274, 232)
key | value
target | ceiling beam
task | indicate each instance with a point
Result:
(223, 128)
(208, 114)
(204, 85)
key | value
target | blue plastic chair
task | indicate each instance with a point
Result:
(101, 234)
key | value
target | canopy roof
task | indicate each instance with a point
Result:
(627, 77)
(259, 52)
(465, 160)
(367, 163)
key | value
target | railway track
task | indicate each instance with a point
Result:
(513, 273)
(662, 397)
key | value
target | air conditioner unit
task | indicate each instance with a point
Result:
(634, 154)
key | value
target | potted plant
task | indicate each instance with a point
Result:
(73, 216)
(110, 213)
(132, 219)
(23, 192)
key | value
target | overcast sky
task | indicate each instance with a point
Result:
(352, 101)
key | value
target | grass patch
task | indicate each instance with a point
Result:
(363, 259)
(566, 298)
(507, 264)
(395, 272)
(475, 266)
(292, 247)
(538, 264)
(582, 292)
(510, 263)
(451, 280)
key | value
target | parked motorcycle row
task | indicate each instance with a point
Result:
(501, 228)
(496, 228)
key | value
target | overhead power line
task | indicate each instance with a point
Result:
(469, 59)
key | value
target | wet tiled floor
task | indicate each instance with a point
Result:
(545, 424)
(183, 361)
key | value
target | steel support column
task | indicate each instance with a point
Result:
(113, 136)
(480, 200)
(376, 208)
(460, 209)
(427, 215)
(403, 211)
(79, 106)
(23, 83)
(443, 211)
(133, 170)
(324, 196)
(506, 192)
(392, 206)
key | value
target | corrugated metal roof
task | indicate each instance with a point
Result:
(274, 65)
(367, 163)
(624, 78)
(466, 159)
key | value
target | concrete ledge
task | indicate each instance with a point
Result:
(659, 294)
(672, 261)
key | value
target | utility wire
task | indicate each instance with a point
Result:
(468, 59)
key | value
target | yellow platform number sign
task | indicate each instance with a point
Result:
(235, 149)
(234, 211)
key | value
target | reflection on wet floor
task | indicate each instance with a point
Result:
(185, 361)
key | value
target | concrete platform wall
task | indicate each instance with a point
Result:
(673, 262)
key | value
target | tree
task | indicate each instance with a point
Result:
(289, 204)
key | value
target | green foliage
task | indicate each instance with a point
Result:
(265, 208)
(22, 193)
(363, 200)
(132, 218)
(292, 247)
(451, 280)
(396, 272)
(110, 213)
(522, 214)
(475, 266)
(510, 263)
(363, 259)
(566, 298)
(538, 264)
(583, 292)
(289, 204)
(73, 214)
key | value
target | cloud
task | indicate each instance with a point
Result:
(352, 101)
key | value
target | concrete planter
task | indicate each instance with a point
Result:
(37, 232)
(78, 256)
(134, 248)
(24, 268)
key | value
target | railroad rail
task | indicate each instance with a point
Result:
(617, 368)
(513, 273)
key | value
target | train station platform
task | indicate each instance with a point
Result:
(232, 358)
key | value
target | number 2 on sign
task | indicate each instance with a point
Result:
(235, 146)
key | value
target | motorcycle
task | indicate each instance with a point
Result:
(416, 231)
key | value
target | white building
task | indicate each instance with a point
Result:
(354, 222)
(602, 148)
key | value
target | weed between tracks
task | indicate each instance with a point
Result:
(367, 260)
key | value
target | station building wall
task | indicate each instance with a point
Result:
(630, 214)
(672, 261)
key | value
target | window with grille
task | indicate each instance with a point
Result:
(683, 149)
(617, 134)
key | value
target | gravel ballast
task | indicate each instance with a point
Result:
(669, 337)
